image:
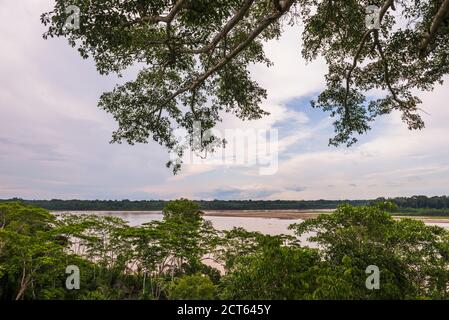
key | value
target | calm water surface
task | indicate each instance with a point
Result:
(264, 225)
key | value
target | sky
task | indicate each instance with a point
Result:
(54, 140)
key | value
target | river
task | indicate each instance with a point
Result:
(271, 226)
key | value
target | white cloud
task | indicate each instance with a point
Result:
(54, 140)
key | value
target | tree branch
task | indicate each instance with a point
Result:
(382, 12)
(267, 21)
(387, 71)
(394, 95)
(436, 23)
(167, 19)
(351, 70)
(217, 38)
(226, 29)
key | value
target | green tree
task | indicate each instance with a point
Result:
(99, 239)
(273, 271)
(182, 209)
(172, 247)
(31, 257)
(236, 243)
(107, 251)
(193, 287)
(196, 56)
(412, 257)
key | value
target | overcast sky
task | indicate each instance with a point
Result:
(54, 141)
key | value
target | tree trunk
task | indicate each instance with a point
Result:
(23, 288)
(24, 282)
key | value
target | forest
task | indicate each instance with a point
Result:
(184, 257)
(438, 205)
(149, 205)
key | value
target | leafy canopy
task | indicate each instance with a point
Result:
(412, 257)
(196, 54)
(171, 258)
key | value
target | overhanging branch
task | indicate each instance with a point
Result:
(267, 21)
(436, 23)
(166, 19)
(382, 12)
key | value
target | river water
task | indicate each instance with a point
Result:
(271, 226)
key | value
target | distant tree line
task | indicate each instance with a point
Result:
(404, 204)
(149, 205)
(421, 202)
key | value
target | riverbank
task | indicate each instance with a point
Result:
(264, 214)
(303, 215)
(426, 219)
(269, 214)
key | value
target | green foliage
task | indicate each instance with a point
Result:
(29, 251)
(273, 271)
(192, 287)
(99, 239)
(392, 59)
(433, 205)
(171, 258)
(237, 243)
(158, 205)
(24, 219)
(411, 256)
(182, 209)
(387, 206)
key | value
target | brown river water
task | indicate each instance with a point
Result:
(271, 226)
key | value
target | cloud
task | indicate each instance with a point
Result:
(297, 188)
(54, 141)
(238, 193)
(389, 161)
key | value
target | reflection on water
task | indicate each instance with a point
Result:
(264, 225)
(269, 226)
